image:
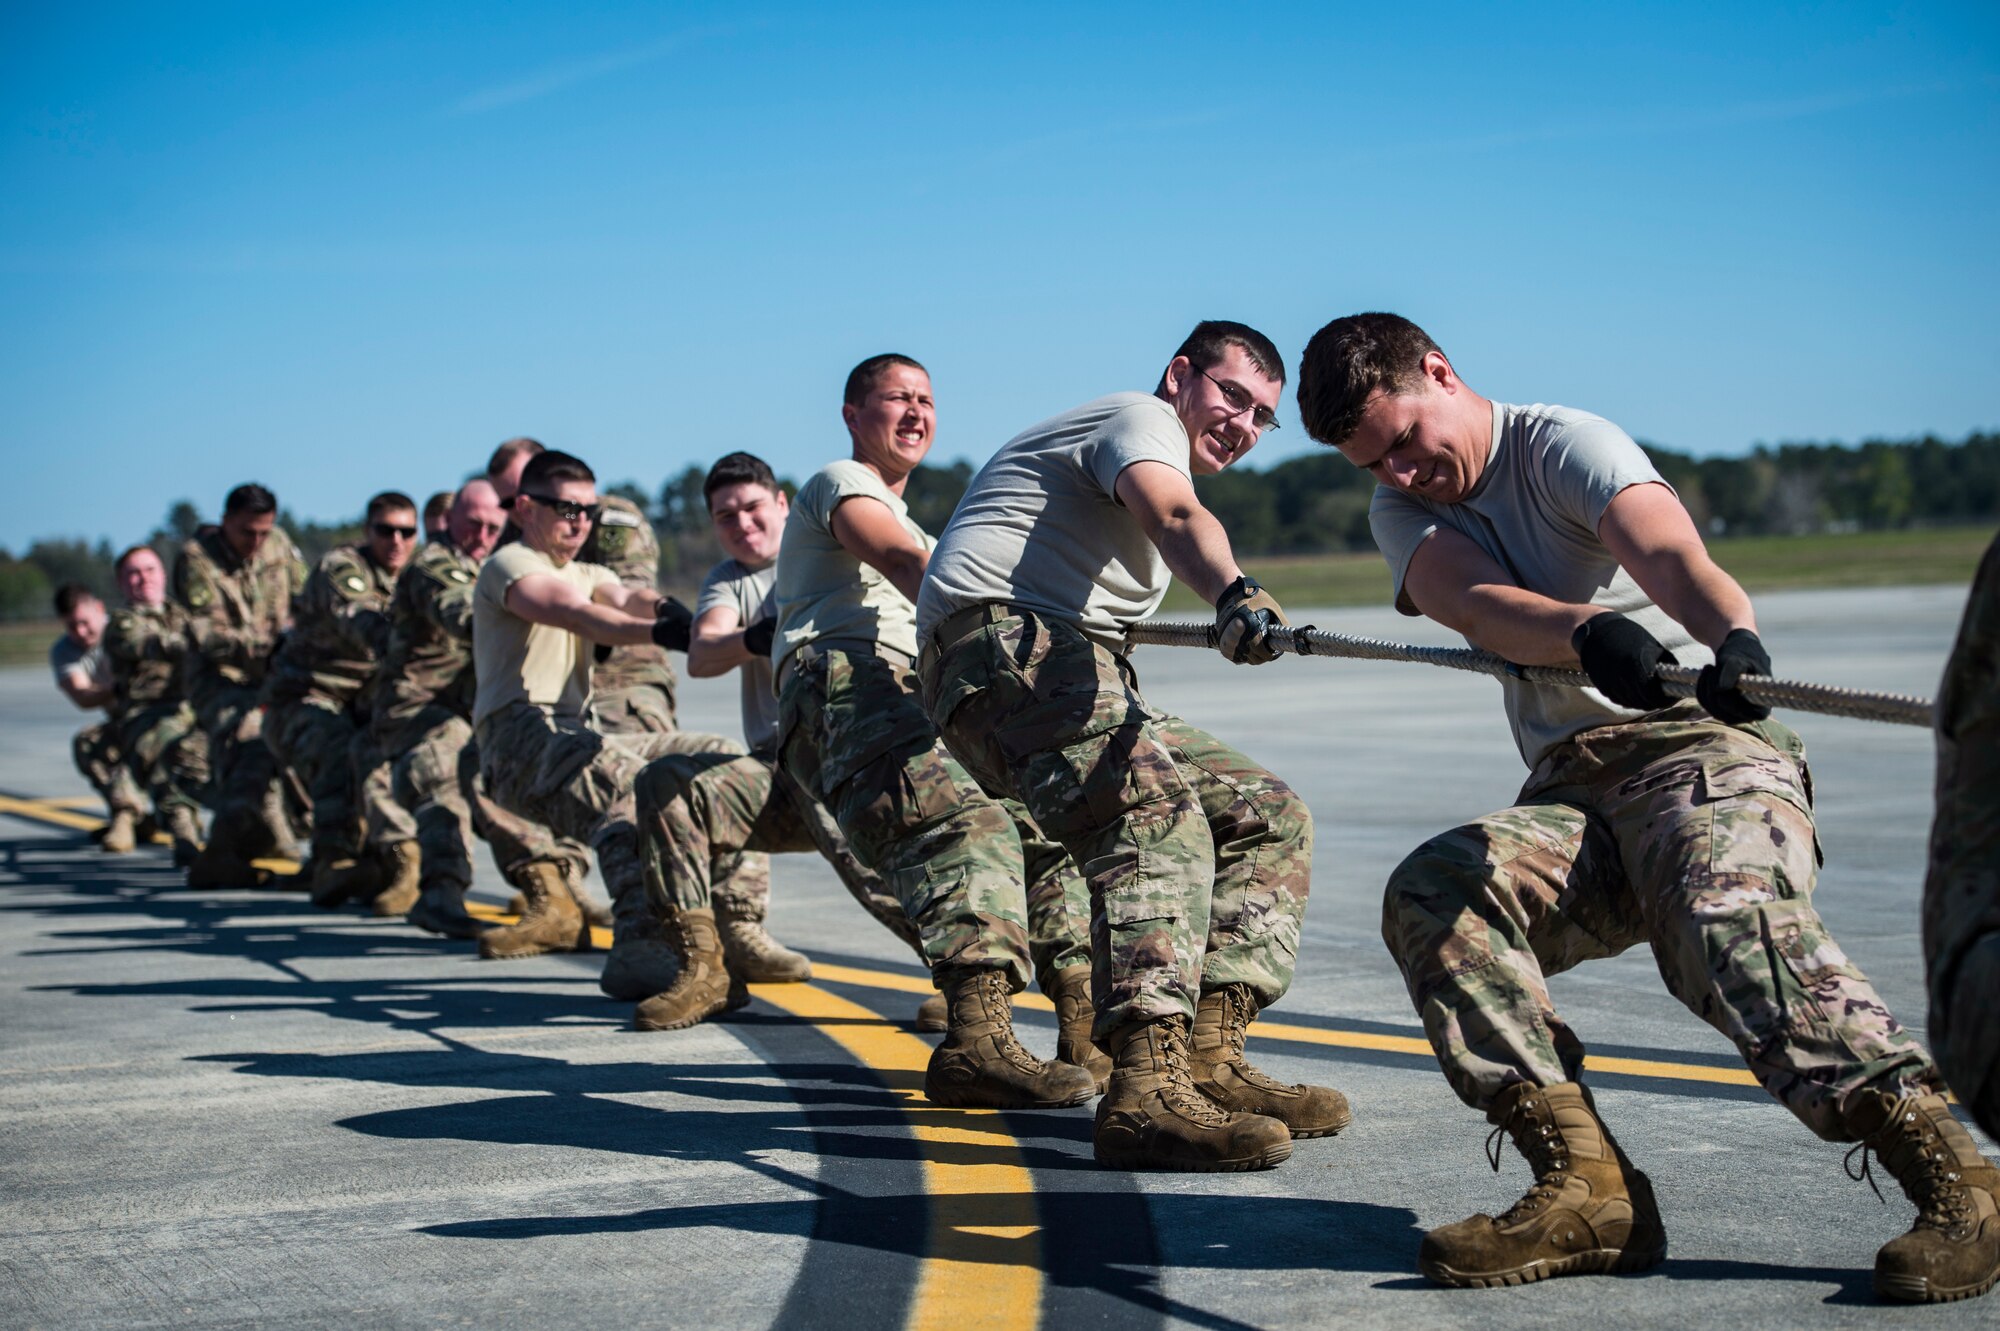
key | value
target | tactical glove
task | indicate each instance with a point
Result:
(1620, 656)
(675, 625)
(1244, 618)
(1741, 653)
(757, 639)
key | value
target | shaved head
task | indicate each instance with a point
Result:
(476, 519)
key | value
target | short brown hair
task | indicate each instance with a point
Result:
(125, 556)
(861, 380)
(1348, 361)
(510, 449)
(389, 501)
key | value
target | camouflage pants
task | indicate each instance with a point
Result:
(1962, 891)
(578, 783)
(435, 776)
(693, 807)
(856, 739)
(1676, 832)
(315, 737)
(166, 753)
(245, 771)
(101, 759)
(1198, 860)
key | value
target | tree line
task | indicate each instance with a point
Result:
(1310, 504)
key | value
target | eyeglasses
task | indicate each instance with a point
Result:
(566, 509)
(388, 529)
(1239, 401)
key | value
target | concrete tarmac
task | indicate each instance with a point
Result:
(227, 1109)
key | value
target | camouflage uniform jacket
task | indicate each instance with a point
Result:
(236, 610)
(623, 541)
(430, 636)
(340, 628)
(147, 647)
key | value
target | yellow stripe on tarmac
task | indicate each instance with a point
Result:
(45, 812)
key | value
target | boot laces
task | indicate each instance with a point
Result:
(1237, 1012)
(1177, 1086)
(1544, 1150)
(1928, 1172)
(995, 1009)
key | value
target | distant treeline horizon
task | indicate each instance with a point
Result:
(1312, 504)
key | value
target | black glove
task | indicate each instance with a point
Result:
(757, 639)
(674, 626)
(1740, 654)
(601, 652)
(1620, 656)
(1244, 617)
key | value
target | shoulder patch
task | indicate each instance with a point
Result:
(200, 595)
(458, 574)
(355, 583)
(617, 517)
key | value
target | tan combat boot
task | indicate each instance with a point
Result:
(1152, 1117)
(404, 872)
(933, 1015)
(702, 988)
(981, 1065)
(185, 829)
(643, 960)
(1953, 1251)
(754, 956)
(1221, 1072)
(337, 881)
(1074, 1016)
(1588, 1211)
(440, 909)
(551, 922)
(121, 834)
(595, 913)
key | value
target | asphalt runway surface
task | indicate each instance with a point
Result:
(226, 1109)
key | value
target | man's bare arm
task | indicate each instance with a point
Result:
(541, 598)
(76, 686)
(717, 646)
(867, 530)
(1648, 531)
(1188, 537)
(1456, 583)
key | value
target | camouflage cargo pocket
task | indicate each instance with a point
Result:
(1761, 821)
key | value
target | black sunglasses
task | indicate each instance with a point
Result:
(387, 529)
(566, 509)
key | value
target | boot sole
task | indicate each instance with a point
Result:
(646, 1024)
(1917, 1289)
(968, 1097)
(1598, 1261)
(1138, 1161)
(1307, 1134)
(488, 951)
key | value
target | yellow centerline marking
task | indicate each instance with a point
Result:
(48, 813)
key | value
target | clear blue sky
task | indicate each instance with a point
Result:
(342, 248)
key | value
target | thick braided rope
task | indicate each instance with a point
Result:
(1896, 708)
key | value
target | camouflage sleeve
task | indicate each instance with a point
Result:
(343, 594)
(445, 599)
(210, 633)
(124, 644)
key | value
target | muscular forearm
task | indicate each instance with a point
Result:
(594, 622)
(712, 654)
(1703, 599)
(1196, 548)
(1525, 627)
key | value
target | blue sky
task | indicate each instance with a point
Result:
(344, 248)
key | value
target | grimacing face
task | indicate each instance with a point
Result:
(476, 520)
(893, 426)
(559, 538)
(749, 522)
(1431, 442)
(142, 580)
(85, 622)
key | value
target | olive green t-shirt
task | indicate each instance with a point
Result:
(516, 661)
(825, 592)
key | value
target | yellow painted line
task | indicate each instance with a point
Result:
(47, 813)
(70, 801)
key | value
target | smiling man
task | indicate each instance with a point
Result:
(853, 734)
(165, 751)
(1198, 859)
(1545, 534)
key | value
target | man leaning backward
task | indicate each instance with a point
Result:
(1198, 860)
(535, 607)
(1544, 534)
(854, 736)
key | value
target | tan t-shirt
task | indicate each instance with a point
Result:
(825, 592)
(517, 661)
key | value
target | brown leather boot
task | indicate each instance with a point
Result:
(1074, 1016)
(932, 1015)
(1953, 1251)
(404, 872)
(981, 1065)
(643, 960)
(702, 987)
(753, 954)
(551, 923)
(121, 834)
(1221, 1072)
(1588, 1211)
(337, 881)
(595, 913)
(185, 829)
(1152, 1117)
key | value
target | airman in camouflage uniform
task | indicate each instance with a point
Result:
(236, 582)
(421, 721)
(314, 721)
(854, 736)
(1199, 861)
(146, 644)
(1962, 892)
(632, 688)
(83, 673)
(1546, 535)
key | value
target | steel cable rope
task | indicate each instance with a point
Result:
(1678, 680)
